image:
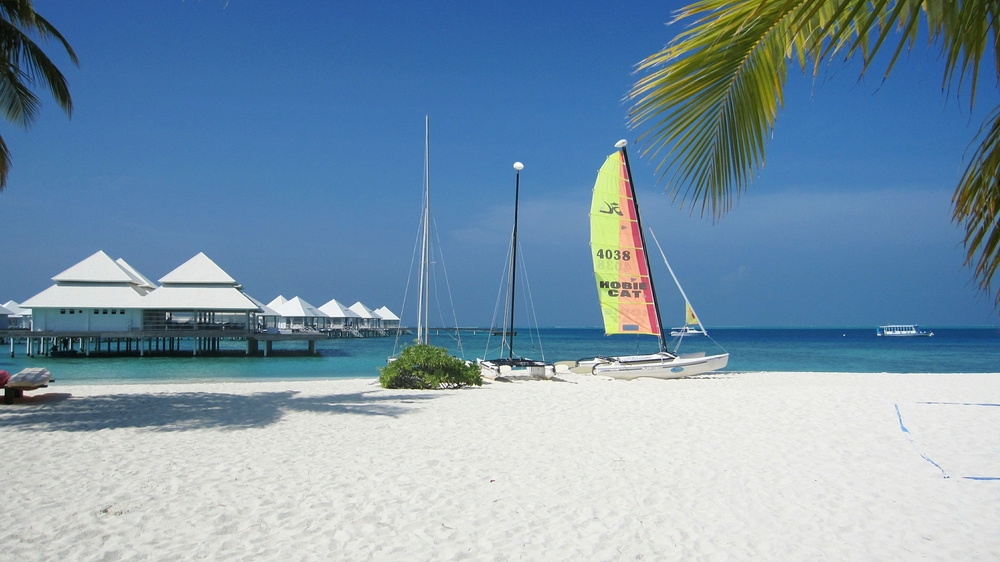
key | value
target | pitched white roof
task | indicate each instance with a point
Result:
(137, 278)
(197, 270)
(334, 309)
(15, 309)
(362, 310)
(298, 308)
(385, 313)
(91, 295)
(199, 297)
(5, 312)
(98, 268)
(277, 302)
(265, 310)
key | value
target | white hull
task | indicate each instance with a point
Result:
(656, 366)
(494, 368)
(686, 331)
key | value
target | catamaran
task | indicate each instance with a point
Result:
(513, 365)
(625, 284)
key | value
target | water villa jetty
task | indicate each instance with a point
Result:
(106, 307)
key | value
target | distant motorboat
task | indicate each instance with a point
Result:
(687, 331)
(902, 331)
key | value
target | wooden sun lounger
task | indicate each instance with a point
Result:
(31, 378)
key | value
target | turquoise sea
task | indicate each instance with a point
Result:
(950, 350)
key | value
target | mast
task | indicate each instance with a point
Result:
(513, 257)
(642, 236)
(422, 298)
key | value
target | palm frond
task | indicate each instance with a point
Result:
(710, 98)
(977, 205)
(23, 64)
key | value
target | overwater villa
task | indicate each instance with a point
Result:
(102, 305)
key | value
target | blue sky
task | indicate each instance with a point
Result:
(285, 140)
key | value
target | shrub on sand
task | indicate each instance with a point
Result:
(424, 366)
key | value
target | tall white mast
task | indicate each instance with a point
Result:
(422, 299)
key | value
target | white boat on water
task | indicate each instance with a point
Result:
(625, 285)
(902, 331)
(692, 326)
(687, 331)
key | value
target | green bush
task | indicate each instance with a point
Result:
(426, 366)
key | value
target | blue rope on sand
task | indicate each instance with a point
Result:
(910, 437)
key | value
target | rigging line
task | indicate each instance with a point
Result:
(451, 299)
(679, 288)
(531, 301)
(409, 277)
(496, 306)
(677, 348)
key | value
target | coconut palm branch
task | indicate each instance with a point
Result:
(710, 98)
(23, 66)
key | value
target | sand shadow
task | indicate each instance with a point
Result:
(191, 410)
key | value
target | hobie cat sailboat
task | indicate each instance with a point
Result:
(624, 284)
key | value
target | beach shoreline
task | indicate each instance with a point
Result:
(776, 466)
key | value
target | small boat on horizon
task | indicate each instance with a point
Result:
(902, 331)
(692, 326)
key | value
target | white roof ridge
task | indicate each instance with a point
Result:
(362, 310)
(335, 309)
(97, 268)
(296, 307)
(138, 278)
(385, 313)
(198, 270)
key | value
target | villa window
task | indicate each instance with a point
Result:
(62, 311)
(112, 311)
(105, 311)
(71, 311)
(96, 311)
(121, 312)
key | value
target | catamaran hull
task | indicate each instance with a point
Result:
(491, 369)
(657, 367)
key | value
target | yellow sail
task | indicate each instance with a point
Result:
(689, 314)
(620, 265)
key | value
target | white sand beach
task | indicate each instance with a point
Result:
(768, 466)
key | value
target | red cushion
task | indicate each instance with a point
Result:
(4, 377)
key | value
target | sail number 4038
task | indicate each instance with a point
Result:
(620, 255)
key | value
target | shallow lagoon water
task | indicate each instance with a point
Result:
(950, 350)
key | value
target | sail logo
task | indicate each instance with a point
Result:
(623, 289)
(612, 209)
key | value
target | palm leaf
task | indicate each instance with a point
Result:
(23, 65)
(708, 101)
